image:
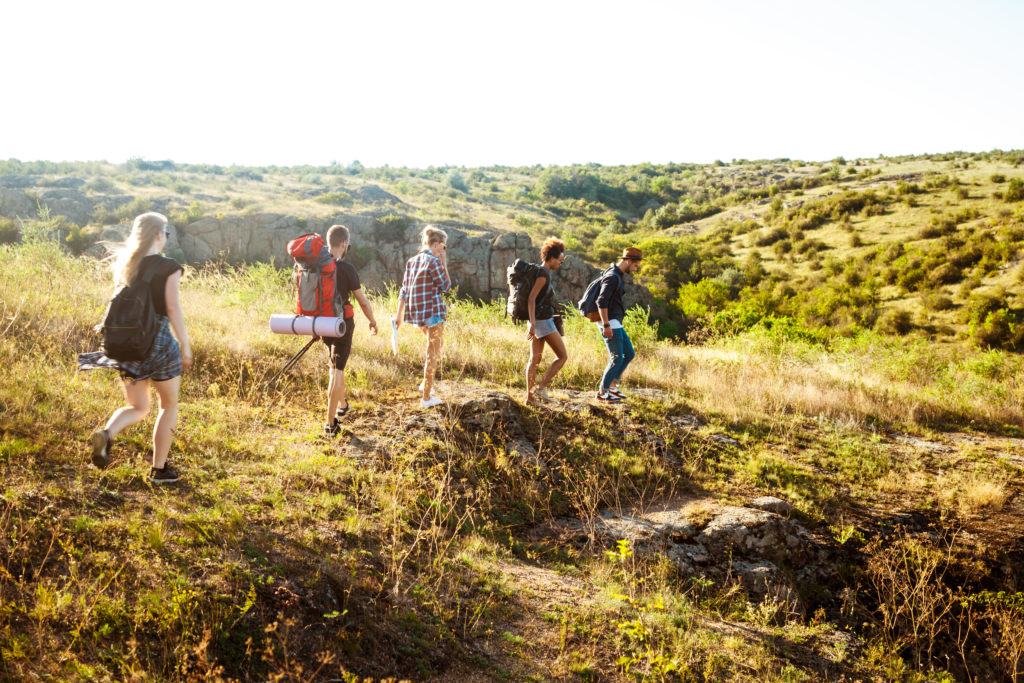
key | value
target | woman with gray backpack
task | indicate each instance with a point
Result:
(137, 342)
(544, 322)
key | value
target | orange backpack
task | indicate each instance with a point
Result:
(314, 276)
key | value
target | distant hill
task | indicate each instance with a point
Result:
(926, 245)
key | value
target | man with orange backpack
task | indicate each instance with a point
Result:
(346, 283)
(324, 281)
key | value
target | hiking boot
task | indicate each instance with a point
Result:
(100, 442)
(430, 402)
(163, 475)
(333, 428)
(606, 397)
(617, 393)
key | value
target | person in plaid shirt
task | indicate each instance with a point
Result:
(420, 302)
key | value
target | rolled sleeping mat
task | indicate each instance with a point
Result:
(321, 326)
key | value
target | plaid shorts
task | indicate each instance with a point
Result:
(162, 363)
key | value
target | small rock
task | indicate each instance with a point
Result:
(921, 444)
(686, 422)
(725, 440)
(772, 504)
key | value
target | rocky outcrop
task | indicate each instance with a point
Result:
(477, 258)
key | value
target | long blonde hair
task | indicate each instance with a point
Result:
(145, 229)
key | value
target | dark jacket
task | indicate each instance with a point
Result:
(610, 295)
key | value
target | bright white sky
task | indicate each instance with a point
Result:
(485, 82)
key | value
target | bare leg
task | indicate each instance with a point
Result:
(166, 420)
(557, 345)
(335, 393)
(435, 341)
(136, 396)
(536, 352)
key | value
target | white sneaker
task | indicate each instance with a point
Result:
(430, 402)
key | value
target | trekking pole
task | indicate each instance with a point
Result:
(291, 362)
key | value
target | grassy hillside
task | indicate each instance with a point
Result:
(928, 246)
(473, 543)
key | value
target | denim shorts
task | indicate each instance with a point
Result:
(431, 321)
(544, 327)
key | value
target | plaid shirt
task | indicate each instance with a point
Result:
(424, 282)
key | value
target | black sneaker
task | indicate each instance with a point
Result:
(607, 397)
(100, 442)
(164, 475)
(618, 394)
(332, 429)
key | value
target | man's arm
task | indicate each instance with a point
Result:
(364, 304)
(609, 285)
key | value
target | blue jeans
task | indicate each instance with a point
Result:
(620, 353)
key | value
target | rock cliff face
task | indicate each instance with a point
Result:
(477, 259)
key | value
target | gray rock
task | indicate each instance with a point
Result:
(725, 440)
(18, 181)
(922, 444)
(772, 504)
(757, 533)
(686, 422)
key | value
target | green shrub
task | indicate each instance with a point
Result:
(896, 321)
(946, 274)
(336, 198)
(1014, 191)
(77, 240)
(9, 233)
(936, 300)
(997, 178)
(455, 181)
(1000, 328)
(697, 299)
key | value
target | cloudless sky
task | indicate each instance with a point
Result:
(519, 83)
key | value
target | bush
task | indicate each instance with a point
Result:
(1014, 191)
(337, 198)
(997, 178)
(946, 274)
(935, 300)
(1000, 328)
(698, 299)
(9, 233)
(455, 181)
(896, 321)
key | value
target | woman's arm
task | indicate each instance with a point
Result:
(172, 299)
(364, 304)
(531, 303)
(401, 311)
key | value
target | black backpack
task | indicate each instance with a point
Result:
(587, 305)
(521, 278)
(129, 325)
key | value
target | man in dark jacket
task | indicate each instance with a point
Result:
(612, 310)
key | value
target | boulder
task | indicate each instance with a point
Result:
(772, 504)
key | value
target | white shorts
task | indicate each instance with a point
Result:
(544, 327)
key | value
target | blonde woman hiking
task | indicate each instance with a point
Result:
(544, 322)
(139, 262)
(421, 302)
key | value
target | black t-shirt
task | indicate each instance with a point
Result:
(346, 280)
(165, 267)
(544, 307)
